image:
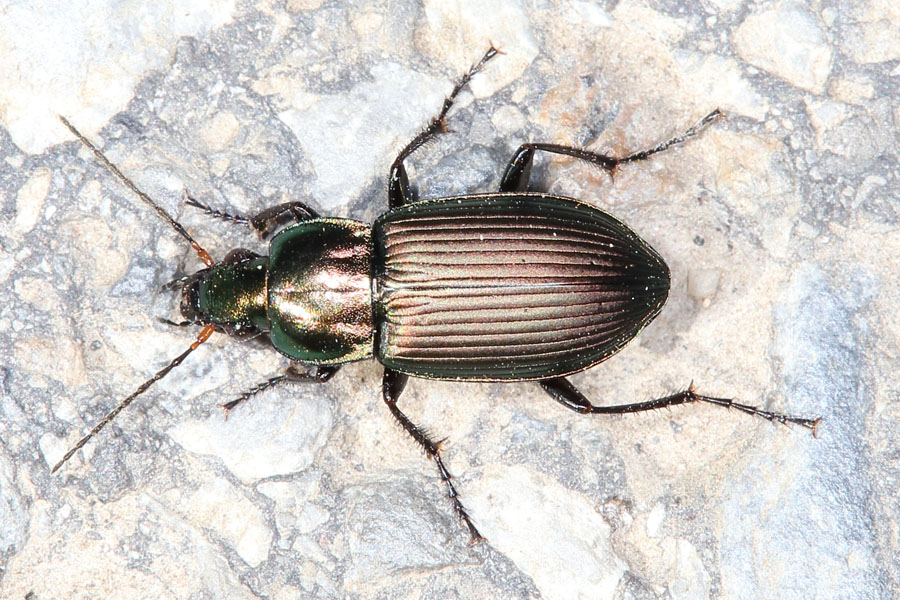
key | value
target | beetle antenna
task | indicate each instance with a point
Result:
(204, 335)
(203, 254)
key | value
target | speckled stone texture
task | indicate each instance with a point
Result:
(780, 225)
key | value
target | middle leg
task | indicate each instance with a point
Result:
(398, 182)
(391, 387)
(518, 171)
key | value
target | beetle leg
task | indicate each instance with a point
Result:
(518, 171)
(391, 387)
(398, 182)
(264, 223)
(292, 374)
(214, 213)
(568, 395)
(267, 222)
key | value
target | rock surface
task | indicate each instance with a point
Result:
(781, 225)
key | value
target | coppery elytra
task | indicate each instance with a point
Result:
(509, 286)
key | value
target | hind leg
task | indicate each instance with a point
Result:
(568, 395)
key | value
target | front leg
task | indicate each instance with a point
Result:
(391, 387)
(264, 223)
(295, 373)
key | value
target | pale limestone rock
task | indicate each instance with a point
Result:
(788, 42)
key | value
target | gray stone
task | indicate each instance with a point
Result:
(781, 225)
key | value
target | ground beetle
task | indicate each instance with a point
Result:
(506, 286)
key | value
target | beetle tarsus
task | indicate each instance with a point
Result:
(782, 418)
(215, 213)
(391, 387)
(292, 374)
(697, 128)
(399, 192)
(256, 389)
(264, 223)
(561, 390)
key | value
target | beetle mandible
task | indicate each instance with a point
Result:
(508, 286)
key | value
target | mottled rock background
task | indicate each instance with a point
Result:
(780, 225)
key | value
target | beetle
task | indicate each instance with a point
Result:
(507, 286)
